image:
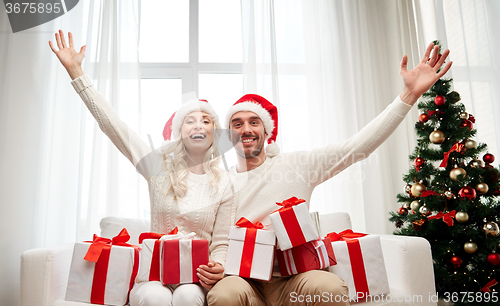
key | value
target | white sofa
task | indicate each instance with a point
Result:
(44, 272)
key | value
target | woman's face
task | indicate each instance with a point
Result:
(195, 132)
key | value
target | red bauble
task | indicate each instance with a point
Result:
(472, 119)
(494, 259)
(456, 261)
(496, 191)
(466, 123)
(467, 192)
(423, 118)
(439, 100)
(488, 158)
(418, 162)
(402, 211)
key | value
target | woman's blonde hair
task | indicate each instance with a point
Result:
(175, 160)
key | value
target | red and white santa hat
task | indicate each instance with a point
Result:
(172, 129)
(267, 112)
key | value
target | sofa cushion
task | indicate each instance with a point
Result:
(111, 226)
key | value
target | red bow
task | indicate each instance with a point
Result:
(489, 285)
(427, 193)
(291, 202)
(457, 147)
(344, 235)
(447, 218)
(98, 243)
(156, 235)
(243, 222)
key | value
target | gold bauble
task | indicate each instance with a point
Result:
(476, 163)
(415, 205)
(470, 144)
(416, 189)
(462, 216)
(491, 229)
(470, 247)
(464, 115)
(437, 137)
(456, 172)
(482, 188)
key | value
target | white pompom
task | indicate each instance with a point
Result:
(272, 149)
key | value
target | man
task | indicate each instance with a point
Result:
(264, 179)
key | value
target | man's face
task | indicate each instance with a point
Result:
(247, 134)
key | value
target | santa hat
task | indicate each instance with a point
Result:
(267, 112)
(173, 126)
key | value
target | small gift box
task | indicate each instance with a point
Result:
(360, 263)
(293, 224)
(313, 255)
(149, 268)
(250, 253)
(102, 271)
(181, 256)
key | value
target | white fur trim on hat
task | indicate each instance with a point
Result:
(255, 108)
(186, 109)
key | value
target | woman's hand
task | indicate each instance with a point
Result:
(67, 55)
(210, 274)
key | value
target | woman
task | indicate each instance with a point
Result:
(187, 189)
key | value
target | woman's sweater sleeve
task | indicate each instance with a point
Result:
(125, 139)
(224, 218)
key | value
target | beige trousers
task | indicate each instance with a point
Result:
(310, 288)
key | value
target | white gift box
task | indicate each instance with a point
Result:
(293, 226)
(260, 262)
(360, 264)
(118, 276)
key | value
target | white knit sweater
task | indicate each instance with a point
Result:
(202, 210)
(297, 173)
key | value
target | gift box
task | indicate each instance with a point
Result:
(181, 257)
(360, 263)
(103, 271)
(149, 267)
(250, 253)
(293, 224)
(313, 255)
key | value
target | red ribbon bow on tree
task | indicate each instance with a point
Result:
(488, 286)
(447, 218)
(156, 235)
(427, 193)
(98, 243)
(344, 235)
(243, 222)
(457, 147)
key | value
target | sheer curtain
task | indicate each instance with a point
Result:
(59, 174)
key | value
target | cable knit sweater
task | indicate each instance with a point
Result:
(202, 210)
(297, 173)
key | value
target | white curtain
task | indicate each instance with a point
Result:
(59, 174)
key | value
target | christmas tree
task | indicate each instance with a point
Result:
(451, 199)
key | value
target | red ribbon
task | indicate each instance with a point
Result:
(98, 244)
(248, 245)
(457, 147)
(172, 260)
(290, 202)
(290, 221)
(447, 218)
(154, 270)
(488, 286)
(427, 193)
(344, 235)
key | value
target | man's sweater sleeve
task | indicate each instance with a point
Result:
(321, 164)
(125, 139)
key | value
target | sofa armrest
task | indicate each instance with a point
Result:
(408, 261)
(44, 275)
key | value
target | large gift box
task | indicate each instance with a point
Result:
(293, 224)
(181, 256)
(149, 267)
(250, 253)
(103, 270)
(360, 263)
(313, 255)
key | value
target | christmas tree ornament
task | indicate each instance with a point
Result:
(470, 144)
(453, 97)
(457, 173)
(482, 188)
(399, 223)
(449, 195)
(419, 163)
(467, 123)
(407, 188)
(470, 247)
(462, 216)
(418, 224)
(467, 192)
(456, 261)
(406, 205)
(494, 259)
(415, 205)
(437, 137)
(439, 100)
(488, 158)
(472, 119)
(417, 188)
(402, 211)
(423, 118)
(464, 115)
(491, 229)
(424, 210)
(476, 163)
